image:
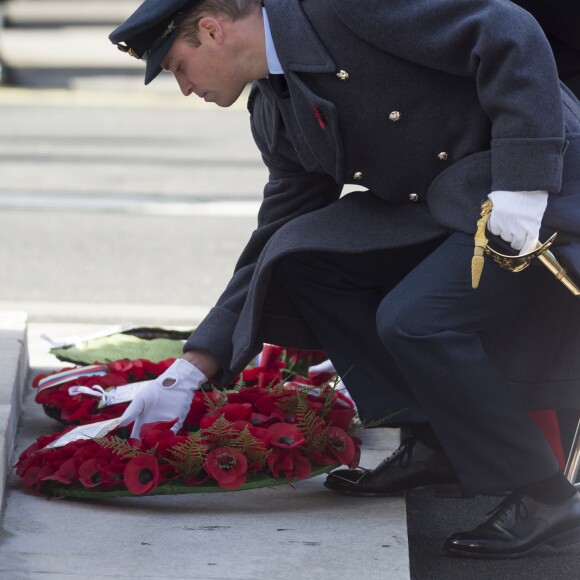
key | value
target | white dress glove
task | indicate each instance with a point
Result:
(517, 216)
(166, 398)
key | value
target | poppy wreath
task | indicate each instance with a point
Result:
(248, 437)
(63, 400)
(78, 409)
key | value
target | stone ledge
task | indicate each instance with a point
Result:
(14, 371)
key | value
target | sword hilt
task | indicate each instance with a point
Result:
(515, 263)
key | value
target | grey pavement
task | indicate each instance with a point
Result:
(283, 532)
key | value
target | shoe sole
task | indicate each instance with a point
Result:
(439, 490)
(559, 541)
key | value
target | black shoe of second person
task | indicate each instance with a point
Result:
(412, 467)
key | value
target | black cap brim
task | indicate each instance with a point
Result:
(155, 59)
(150, 32)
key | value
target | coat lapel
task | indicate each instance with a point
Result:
(311, 121)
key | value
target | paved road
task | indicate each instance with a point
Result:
(108, 204)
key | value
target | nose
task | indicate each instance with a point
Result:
(184, 86)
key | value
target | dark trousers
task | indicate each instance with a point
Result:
(403, 328)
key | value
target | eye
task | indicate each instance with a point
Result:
(178, 68)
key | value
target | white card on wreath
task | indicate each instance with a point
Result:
(121, 394)
(92, 431)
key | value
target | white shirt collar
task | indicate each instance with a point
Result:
(274, 66)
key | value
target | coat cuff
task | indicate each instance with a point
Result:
(214, 335)
(527, 164)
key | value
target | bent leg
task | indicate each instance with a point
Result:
(338, 295)
(431, 323)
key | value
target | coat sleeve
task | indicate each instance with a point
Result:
(504, 50)
(290, 192)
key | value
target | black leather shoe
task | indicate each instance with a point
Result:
(412, 467)
(519, 525)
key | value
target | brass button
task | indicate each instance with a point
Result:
(443, 156)
(342, 75)
(358, 175)
(413, 197)
(395, 116)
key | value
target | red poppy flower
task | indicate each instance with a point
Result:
(167, 473)
(268, 371)
(314, 402)
(227, 466)
(142, 474)
(263, 376)
(90, 472)
(207, 421)
(156, 428)
(236, 411)
(302, 467)
(320, 378)
(30, 456)
(76, 411)
(340, 445)
(264, 435)
(340, 417)
(285, 435)
(247, 395)
(240, 425)
(30, 477)
(196, 411)
(259, 420)
(324, 458)
(290, 462)
(158, 435)
(268, 405)
(66, 473)
(113, 472)
(85, 450)
(199, 479)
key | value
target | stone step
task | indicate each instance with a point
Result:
(85, 47)
(59, 13)
(14, 366)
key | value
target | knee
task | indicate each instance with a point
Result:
(390, 322)
(400, 320)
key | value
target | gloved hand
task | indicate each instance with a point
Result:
(517, 216)
(166, 398)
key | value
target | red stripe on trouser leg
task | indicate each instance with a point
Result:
(547, 421)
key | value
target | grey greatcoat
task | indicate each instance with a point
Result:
(428, 106)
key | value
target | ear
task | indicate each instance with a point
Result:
(211, 30)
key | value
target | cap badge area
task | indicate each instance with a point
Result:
(128, 50)
(170, 28)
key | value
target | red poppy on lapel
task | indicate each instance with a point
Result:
(319, 118)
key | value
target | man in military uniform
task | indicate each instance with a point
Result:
(431, 107)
